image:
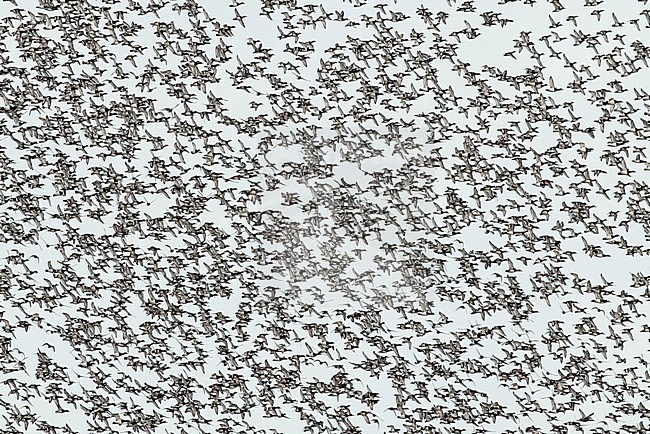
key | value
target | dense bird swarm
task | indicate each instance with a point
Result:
(347, 217)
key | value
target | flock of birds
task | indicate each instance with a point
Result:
(277, 216)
